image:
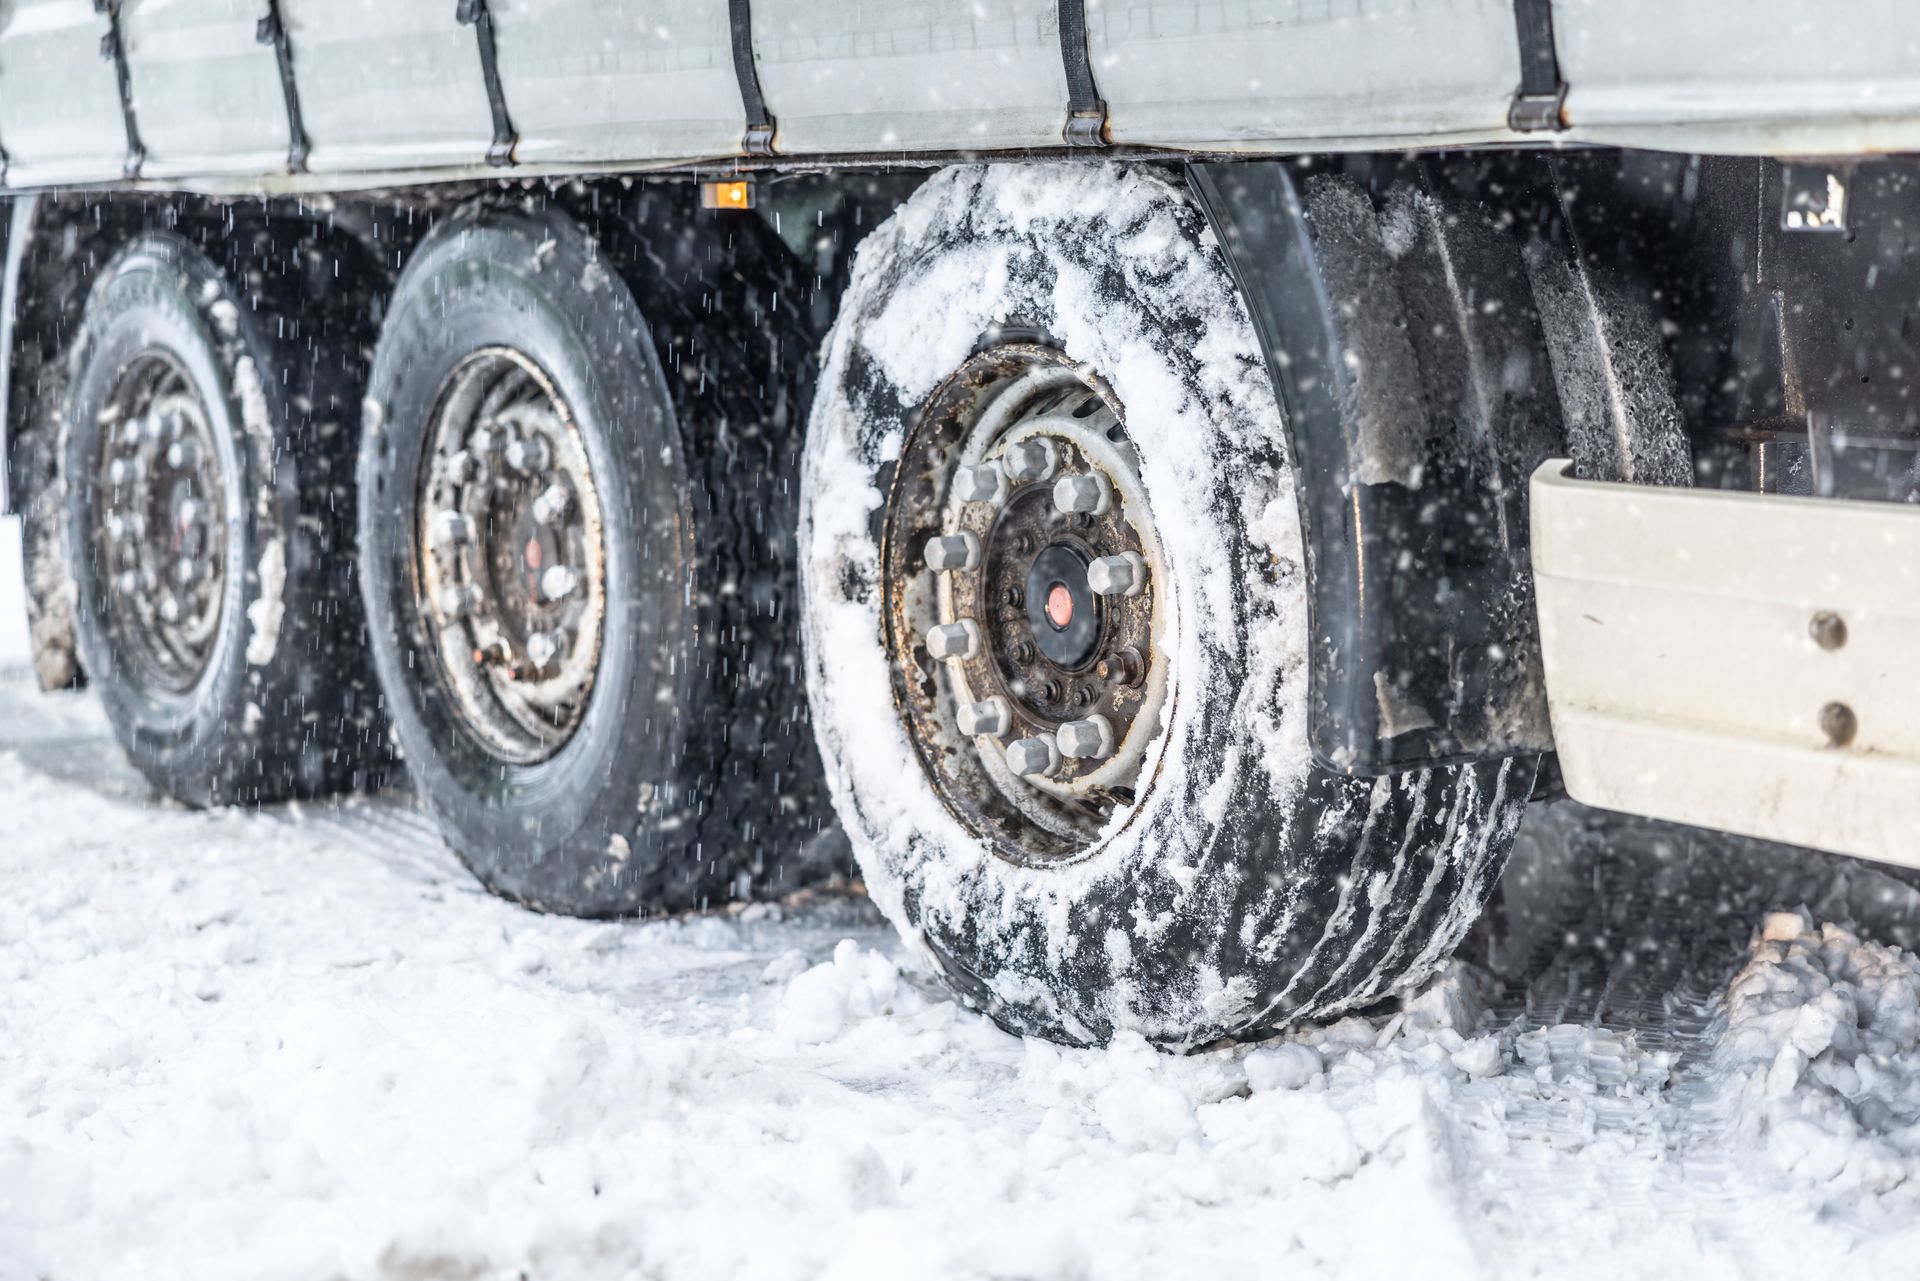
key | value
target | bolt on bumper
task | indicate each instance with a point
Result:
(1748, 662)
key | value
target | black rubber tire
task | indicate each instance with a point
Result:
(285, 707)
(666, 797)
(1249, 889)
(738, 319)
(51, 595)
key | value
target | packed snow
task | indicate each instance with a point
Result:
(301, 1043)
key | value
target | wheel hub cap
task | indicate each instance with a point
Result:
(1060, 607)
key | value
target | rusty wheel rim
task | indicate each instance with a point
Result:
(511, 554)
(159, 531)
(1022, 572)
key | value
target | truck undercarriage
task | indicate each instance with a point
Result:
(1175, 539)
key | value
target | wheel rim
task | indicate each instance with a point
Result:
(160, 532)
(513, 567)
(1022, 568)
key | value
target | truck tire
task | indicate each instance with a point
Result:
(207, 517)
(1056, 634)
(530, 553)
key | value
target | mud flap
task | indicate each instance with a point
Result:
(1399, 328)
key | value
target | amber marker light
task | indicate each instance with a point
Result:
(737, 194)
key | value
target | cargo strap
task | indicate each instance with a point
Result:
(113, 49)
(271, 30)
(474, 13)
(758, 140)
(1539, 106)
(1086, 112)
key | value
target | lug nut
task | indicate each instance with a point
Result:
(170, 608)
(152, 427)
(952, 551)
(552, 504)
(983, 483)
(1089, 739)
(453, 526)
(183, 455)
(529, 455)
(1122, 575)
(487, 442)
(128, 582)
(1030, 460)
(1033, 757)
(461, 467)
(989, 716)
(557, 583)
(185, 571)
(954, 640)
(132, 430)
(1125, 667)
(457, 601)
(542, 647)
(1091, 494)
(123, 471)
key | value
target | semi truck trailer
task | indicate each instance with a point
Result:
(1167, 484)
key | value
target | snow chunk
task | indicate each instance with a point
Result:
(1819, 1037)
(266, 612)
(856, 984)
(1285, 1066)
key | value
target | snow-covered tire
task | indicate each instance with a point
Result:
(1244, 887)
(51, 594)
(673, 784)
(278, 701)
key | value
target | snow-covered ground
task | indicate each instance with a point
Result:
(13, 614)
(304, 1044)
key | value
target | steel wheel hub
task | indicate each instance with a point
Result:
(511, 556)
(159, 530)
(1022, 564)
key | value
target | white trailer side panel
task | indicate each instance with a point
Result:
(177, 49)
(1768, 75)
(60, 117)
(392, 90)
(1236, 74)
(910, 75)
(388, 84)
(605, 80)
